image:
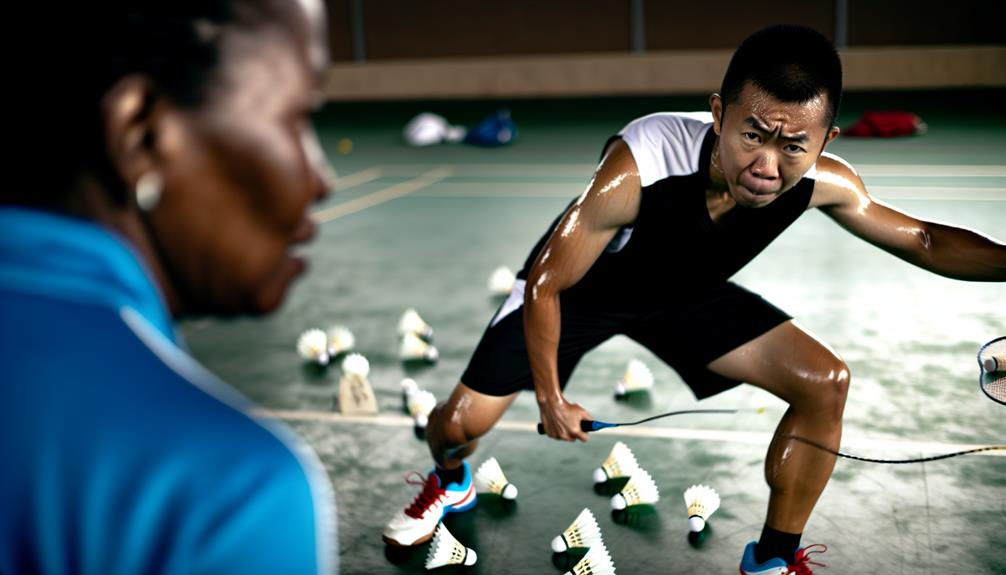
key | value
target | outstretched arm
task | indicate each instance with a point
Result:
(950, 251)
(610, 201)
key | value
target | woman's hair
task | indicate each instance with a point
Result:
(174, 44)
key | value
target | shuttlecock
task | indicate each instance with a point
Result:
(356, 364)
(640, 490)
(637, 377)
(312, 345)
(446, 550)
(702, 501)
(595, 562)
(412, 322)
(501, 281)
(409, 386)
(415, 348)
(428, 129)
(421, 403)
(340, 340)
(489, 478)
(583, 532)
(620, 463)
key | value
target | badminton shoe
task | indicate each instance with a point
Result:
(776, 566)
(416, 523)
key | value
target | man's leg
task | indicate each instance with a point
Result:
(456, 424)
(792, 364)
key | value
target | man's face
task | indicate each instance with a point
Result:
(766, 146)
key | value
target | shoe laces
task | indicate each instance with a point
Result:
(430, 494)
(801, 566)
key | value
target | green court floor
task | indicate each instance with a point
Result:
(424, 228)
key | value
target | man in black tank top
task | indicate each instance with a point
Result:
(680, 202)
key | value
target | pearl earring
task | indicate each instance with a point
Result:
(148, 191)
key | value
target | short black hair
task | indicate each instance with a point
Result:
(791, 63)
(175, 44)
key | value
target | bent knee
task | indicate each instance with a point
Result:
(824, 387)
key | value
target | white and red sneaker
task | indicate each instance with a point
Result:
(416, 523)
(776, 566)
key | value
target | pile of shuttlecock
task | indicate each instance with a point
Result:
(638, 378)
(418, 402)
(490, 479)
(640, 489)
(320, 347)
(582, 533)
(416, 336)
(501, 282)
(702, 502)
(447, 550)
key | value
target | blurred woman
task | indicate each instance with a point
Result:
(172, 163)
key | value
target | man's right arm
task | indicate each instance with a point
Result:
(610, 201)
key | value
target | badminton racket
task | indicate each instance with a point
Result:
(992, 359)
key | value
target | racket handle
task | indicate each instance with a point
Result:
(586, 426)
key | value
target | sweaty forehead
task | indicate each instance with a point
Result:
(753, 102)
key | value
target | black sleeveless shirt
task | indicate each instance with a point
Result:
(674, 248)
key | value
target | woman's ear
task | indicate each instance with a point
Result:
(129, 118)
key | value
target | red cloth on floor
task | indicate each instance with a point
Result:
(886, 124)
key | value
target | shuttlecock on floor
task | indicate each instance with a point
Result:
(583, 532)
(357, 365)
(446, 550)
(409, 386)
(637, 377)
(640, 490)
(702, 501)
(415, 348)
(312, 345)
(412, 322)
(421, 404)
(595, 562)
(619, 463)
(490, 479)
(428, 129)
(340, 340)
(501, 281)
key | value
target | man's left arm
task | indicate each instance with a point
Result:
(947, 250)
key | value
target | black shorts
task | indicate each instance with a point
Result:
(687, 336)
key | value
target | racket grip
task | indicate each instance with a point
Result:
(586, 426)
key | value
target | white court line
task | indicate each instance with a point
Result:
(723, 436)
(379, 197)
(937, 193)
(357, 178)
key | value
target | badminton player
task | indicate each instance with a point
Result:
(170, 163)
(680, 203)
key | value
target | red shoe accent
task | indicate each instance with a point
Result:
(801, 566)
(431, 493)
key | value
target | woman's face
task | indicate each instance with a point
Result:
(241, 171)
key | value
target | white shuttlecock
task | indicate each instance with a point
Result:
(637, 377)
(620, 463)
(312, 345)
(412, 322)
(340, 340)
(702, 501)
(446, 550)
(640, 490)
(583, 532)
(421, 403)
(501, 281)
(415, 348)
(409, 386)
(595, 562)
(490, 479)
(356, 364)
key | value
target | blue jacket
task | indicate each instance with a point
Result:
(120, 453)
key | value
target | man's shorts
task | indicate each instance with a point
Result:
(687, 336)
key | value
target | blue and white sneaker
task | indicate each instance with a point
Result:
(416, 523)
(777, 566)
